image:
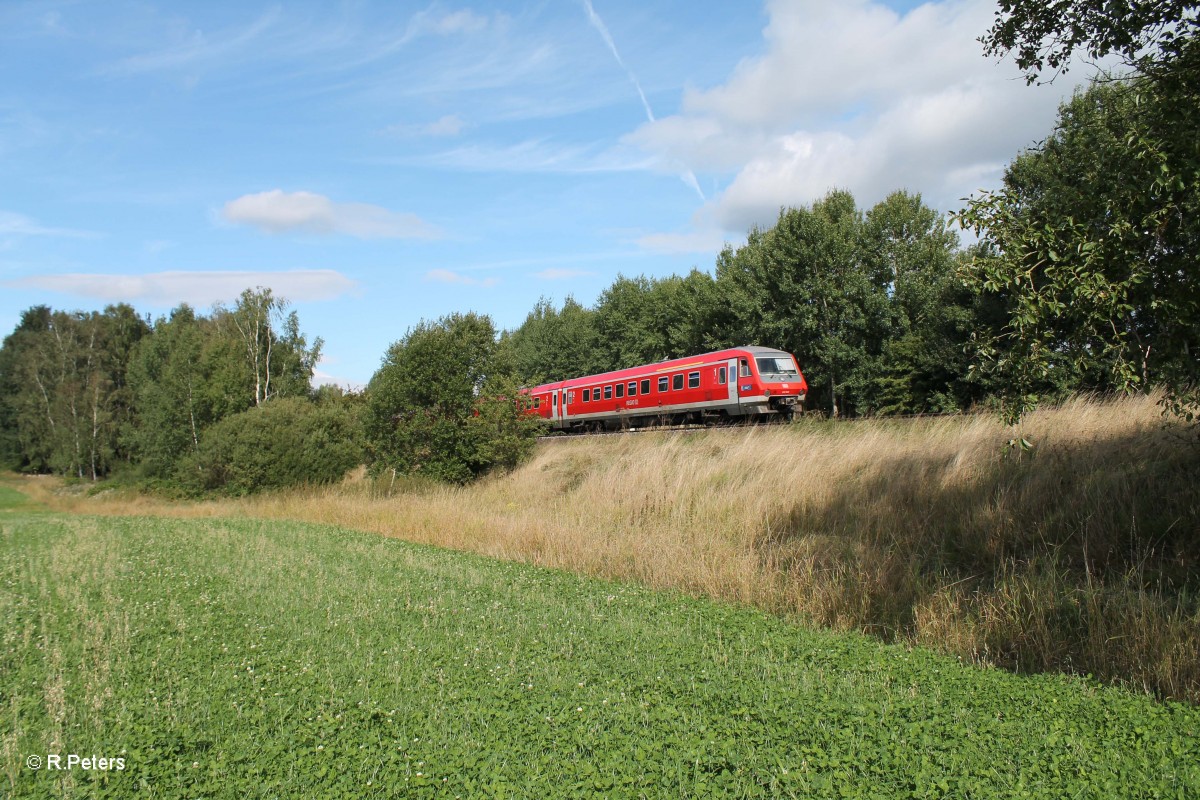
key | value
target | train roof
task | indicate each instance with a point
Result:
(760, 351)
(751, 349)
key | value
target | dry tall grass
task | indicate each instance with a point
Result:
(1081, 555)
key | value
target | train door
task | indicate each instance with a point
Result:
(732, 365)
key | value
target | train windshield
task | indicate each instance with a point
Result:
(773, 366)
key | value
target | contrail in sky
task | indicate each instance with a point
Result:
(687, 176)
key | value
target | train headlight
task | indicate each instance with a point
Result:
(767, 393)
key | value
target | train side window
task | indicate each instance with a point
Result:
(608, 393)
(571, 396)
(587, 395)
(663, 383)
(620, 390)
(693, 380)
(721, 376)
(633, 388)
(554, 400)
(646, 386)
(744, 368)
(677, 381)
(537, 402)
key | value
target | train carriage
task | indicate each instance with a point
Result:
(736, 383)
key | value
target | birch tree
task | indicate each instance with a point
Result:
(276, 357)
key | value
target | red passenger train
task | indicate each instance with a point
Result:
(738, 383)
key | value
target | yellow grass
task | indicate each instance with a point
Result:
(1080, 555)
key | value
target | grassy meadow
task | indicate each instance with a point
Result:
(1080, 555)
(240, 658)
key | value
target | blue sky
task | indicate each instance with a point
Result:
(382, 162)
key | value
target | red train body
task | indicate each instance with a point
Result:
(737, 383)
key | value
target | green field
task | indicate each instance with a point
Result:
(12, 500)
(247, 659)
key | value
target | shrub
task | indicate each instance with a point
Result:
(281, 443)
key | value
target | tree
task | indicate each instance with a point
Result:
(637, 320)
(24, 436)
(176, 389)
(553, 344)
(113, 337)
(1144, 33)
(276, 356)
(803, 286)
(1092, 241)
(925, 356)
(871, 304)
(1093, 244)
(424, 399)
(696, 310)
(63, 389)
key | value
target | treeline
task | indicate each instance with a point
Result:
(224, 402)
(87, 394)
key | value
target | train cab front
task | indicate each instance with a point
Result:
(783, 387)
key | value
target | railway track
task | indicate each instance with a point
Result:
(695, 427)
(690, 428)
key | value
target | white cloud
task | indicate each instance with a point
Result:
(156, 247)
(193, 47)
(195, 288)
(447, 276)
(427, 22)
(827, 58)
(277, 211)
(852, 95)
(537, 155)
(328, 43)
(449, 125)
(705, 240)
(321, 377)
(13, 224)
